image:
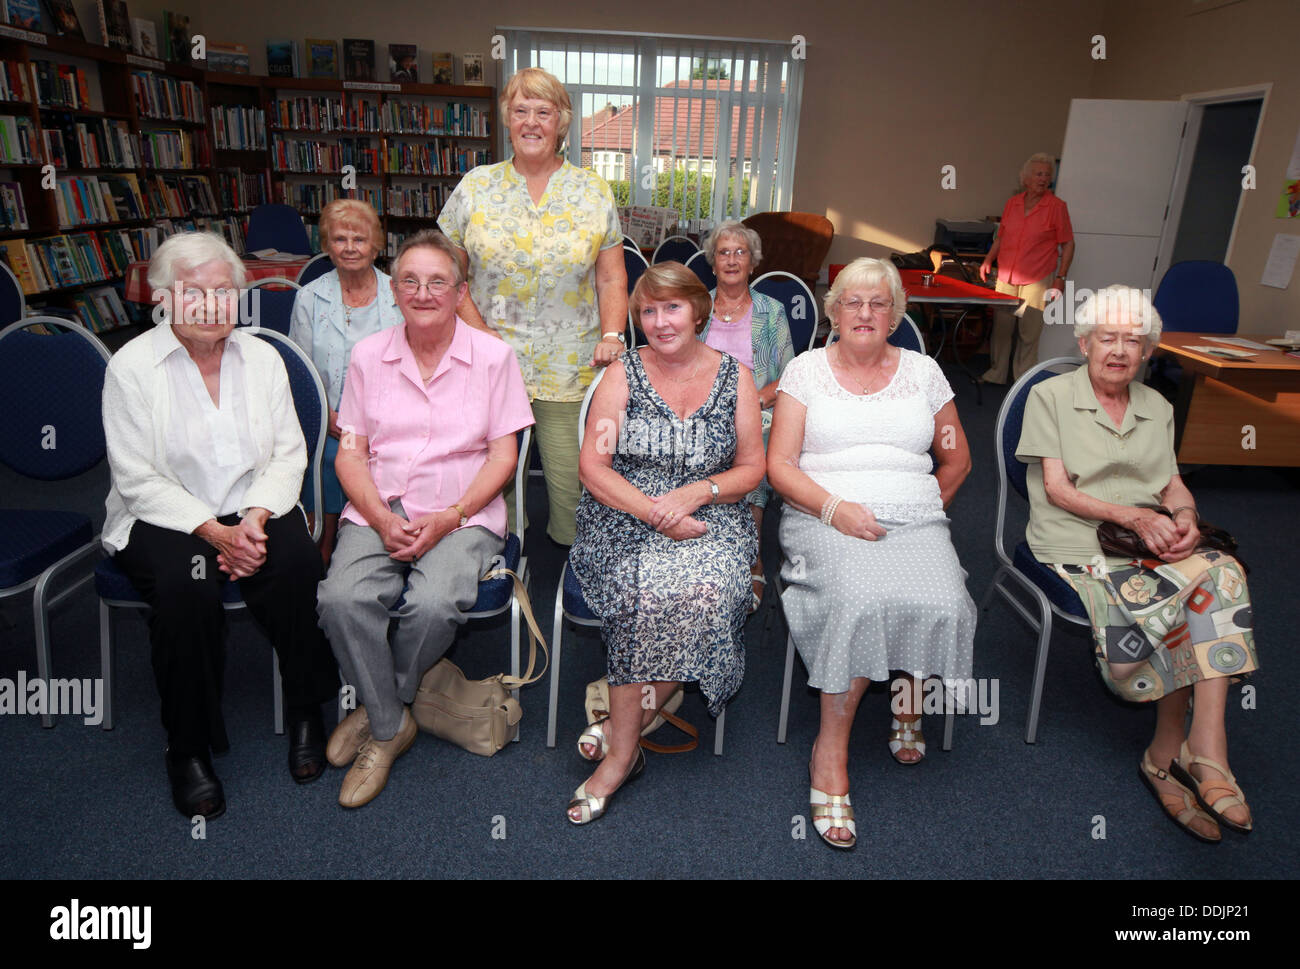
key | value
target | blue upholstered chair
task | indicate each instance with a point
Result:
(317, 266)
(699, 264)
(268, 303)
(1050, 593)
(115, 589)
(571, 607)
(1195, 296)
(51, 387)
(674, 249)
(13, 304)
(279, 227)
(797, 299)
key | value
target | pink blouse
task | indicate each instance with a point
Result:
(735, 338)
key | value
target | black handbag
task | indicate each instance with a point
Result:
(1123, 542)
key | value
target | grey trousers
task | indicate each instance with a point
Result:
(364, 583)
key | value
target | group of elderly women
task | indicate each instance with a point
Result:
(861, 439)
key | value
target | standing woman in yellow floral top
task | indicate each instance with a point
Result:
(546, 274)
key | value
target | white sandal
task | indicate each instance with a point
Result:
(906, 736)
(832, 811)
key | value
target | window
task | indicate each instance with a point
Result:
(708, 125)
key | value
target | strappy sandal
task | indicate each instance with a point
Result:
(755, 598)
(592, 807)
(906, 736)
(832, 811)
(1179, 808)
(1227, 794)
(595, 736)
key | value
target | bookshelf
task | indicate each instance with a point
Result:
(142, 148)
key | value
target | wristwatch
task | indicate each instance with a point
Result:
(460, 511)
(614, 335)
(714, 488)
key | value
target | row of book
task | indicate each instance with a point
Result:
(174, 148)
(310, 197)
(100, 309)
(18, 142)
(313, 114)
(180, 196)
(432, 118)
(294, 155)
(88, 200)
(239, 127)
(60, 85)
(15, 85)
(166, 98)
(242, 191)
(418, 201)
(93, 143)
(431, 158)
(12, 209)
(53, 262)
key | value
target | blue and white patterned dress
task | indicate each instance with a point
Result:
(671, 610)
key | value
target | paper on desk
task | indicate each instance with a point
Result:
(1281, 261)
(1236, 341)
(274, 255)
(1224, 352)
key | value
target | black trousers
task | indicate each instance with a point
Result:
(178, 576)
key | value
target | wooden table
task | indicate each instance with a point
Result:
(1235, 411)
(137, 284)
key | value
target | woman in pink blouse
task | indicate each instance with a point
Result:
(1033, 250)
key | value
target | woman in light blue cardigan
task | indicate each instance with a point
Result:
(351, 301)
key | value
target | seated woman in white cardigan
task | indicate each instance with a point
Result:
(207, 460)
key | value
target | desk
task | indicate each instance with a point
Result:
(953, 292)
(1217, 398)
(137, 288)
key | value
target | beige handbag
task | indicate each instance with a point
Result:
(479, 715)
(597, 705)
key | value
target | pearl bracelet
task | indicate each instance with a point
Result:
(828, 509)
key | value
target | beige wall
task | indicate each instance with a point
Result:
(1156, 50)
(894, 91)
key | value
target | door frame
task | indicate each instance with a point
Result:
(1186, 156)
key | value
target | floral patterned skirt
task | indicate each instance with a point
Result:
(1180, 622)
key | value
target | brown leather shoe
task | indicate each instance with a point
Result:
(369, 772)
(347, 738)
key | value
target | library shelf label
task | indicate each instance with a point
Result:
(371, 86)
(19, 34)
(149, 62)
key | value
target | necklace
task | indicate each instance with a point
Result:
(726, 317)
(347, 307)
(839, 355)
(699, 358)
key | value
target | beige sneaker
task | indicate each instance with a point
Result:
(348, 737)
(369, 772)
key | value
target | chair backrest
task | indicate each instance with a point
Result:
(630, 243)
(675, 249)
(311, 406)
(13, 304)
(636, 265)
(699, 264)
(908, 335)
(797, 299)
(586, 405)
(317, 266)
(268, 303)
(1198, 296)
(51, 396)
(794, 242)
(1006, 436)
(277, 226)
(524, 438)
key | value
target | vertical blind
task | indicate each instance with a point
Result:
(703, 125)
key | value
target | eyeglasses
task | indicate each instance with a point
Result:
(410, 286)
(543, 115)
(740, 253)
(192, 294)
(853, 305)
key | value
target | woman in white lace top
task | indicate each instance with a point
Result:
(872, 580)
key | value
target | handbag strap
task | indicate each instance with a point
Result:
(689, 729)
(534, 633)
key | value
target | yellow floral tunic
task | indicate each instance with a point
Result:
(532, 267)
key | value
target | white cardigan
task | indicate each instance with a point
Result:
(137, 406)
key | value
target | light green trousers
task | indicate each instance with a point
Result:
(556, 434)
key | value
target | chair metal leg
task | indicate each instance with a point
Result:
(948, 719)
(785, 690)
(1040, 669)
(278, 688)
(42, 625)
(556, 646)
(106, 662)
(514, 642)
(993, 587)
(717, 732)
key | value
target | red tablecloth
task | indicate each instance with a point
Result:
(137, 285)
(946, 289)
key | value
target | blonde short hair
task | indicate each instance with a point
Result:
(671, 280)
(351, 212)
(867, 273)
(733, 228)
(1037, 158)
(1117, 304)
(533, 82)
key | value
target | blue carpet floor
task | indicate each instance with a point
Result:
(79, 802)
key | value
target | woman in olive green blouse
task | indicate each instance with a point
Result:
(1100, 445)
